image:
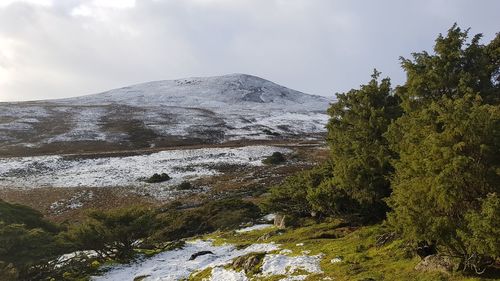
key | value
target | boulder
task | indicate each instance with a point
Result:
(436, 263)
(202, 253)
(248, 262)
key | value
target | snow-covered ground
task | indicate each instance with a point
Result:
(180, 165)
(175, 265)
(215, 109)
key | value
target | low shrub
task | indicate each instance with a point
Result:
(114, 233)
(274, 159)
(185, 185)
(158, 178)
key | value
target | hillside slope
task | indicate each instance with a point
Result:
(161, 114)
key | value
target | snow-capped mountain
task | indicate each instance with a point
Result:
(163, 113)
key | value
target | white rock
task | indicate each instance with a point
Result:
(336, 260)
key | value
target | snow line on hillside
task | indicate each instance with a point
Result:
(57, 171)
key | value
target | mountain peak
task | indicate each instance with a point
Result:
(240, 90)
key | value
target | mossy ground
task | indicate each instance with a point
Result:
(356, 247)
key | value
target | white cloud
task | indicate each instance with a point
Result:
(4, 3)
(61, 48)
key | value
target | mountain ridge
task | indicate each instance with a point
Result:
(165, 113)
(228, 89)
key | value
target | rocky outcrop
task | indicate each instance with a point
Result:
(249, 263)
(436, 263)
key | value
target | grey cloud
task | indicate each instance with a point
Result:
(316, 46)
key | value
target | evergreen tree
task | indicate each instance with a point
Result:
(448, 141)
(359, 151)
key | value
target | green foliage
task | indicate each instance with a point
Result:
(27, 242)
(329, 200)
(156, 178)
(113, 233)
(275, 159)
(448, 141)
(185, 185)
(457, 67)
(25, 248)
(291, 197)
(8, 272)
(20, 214)
(359, 151)
(483, 237)
(220, 214)
(228, 213)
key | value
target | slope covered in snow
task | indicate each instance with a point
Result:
(163, 113)
(238, 90)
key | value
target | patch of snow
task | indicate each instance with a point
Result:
(222, 274)
(175, 265)
(180, 165)
(86, 126)
(278, 264)
(16, 126)
(254, 227)
(294, 278)
(67, 257)
(75, 202)
(269, 217)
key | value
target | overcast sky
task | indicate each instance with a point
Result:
(63, 48)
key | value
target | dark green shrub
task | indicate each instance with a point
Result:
(448, 141)
(358, 148)
(274, 159)
(113, 233)
(185, 185)
(291, 197)
(20, 214)
(158, 178)
(220, 214)
(27, 243)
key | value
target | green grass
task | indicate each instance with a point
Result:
(361, 258)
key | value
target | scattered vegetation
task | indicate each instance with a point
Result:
(355, 250)
(31, 246)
